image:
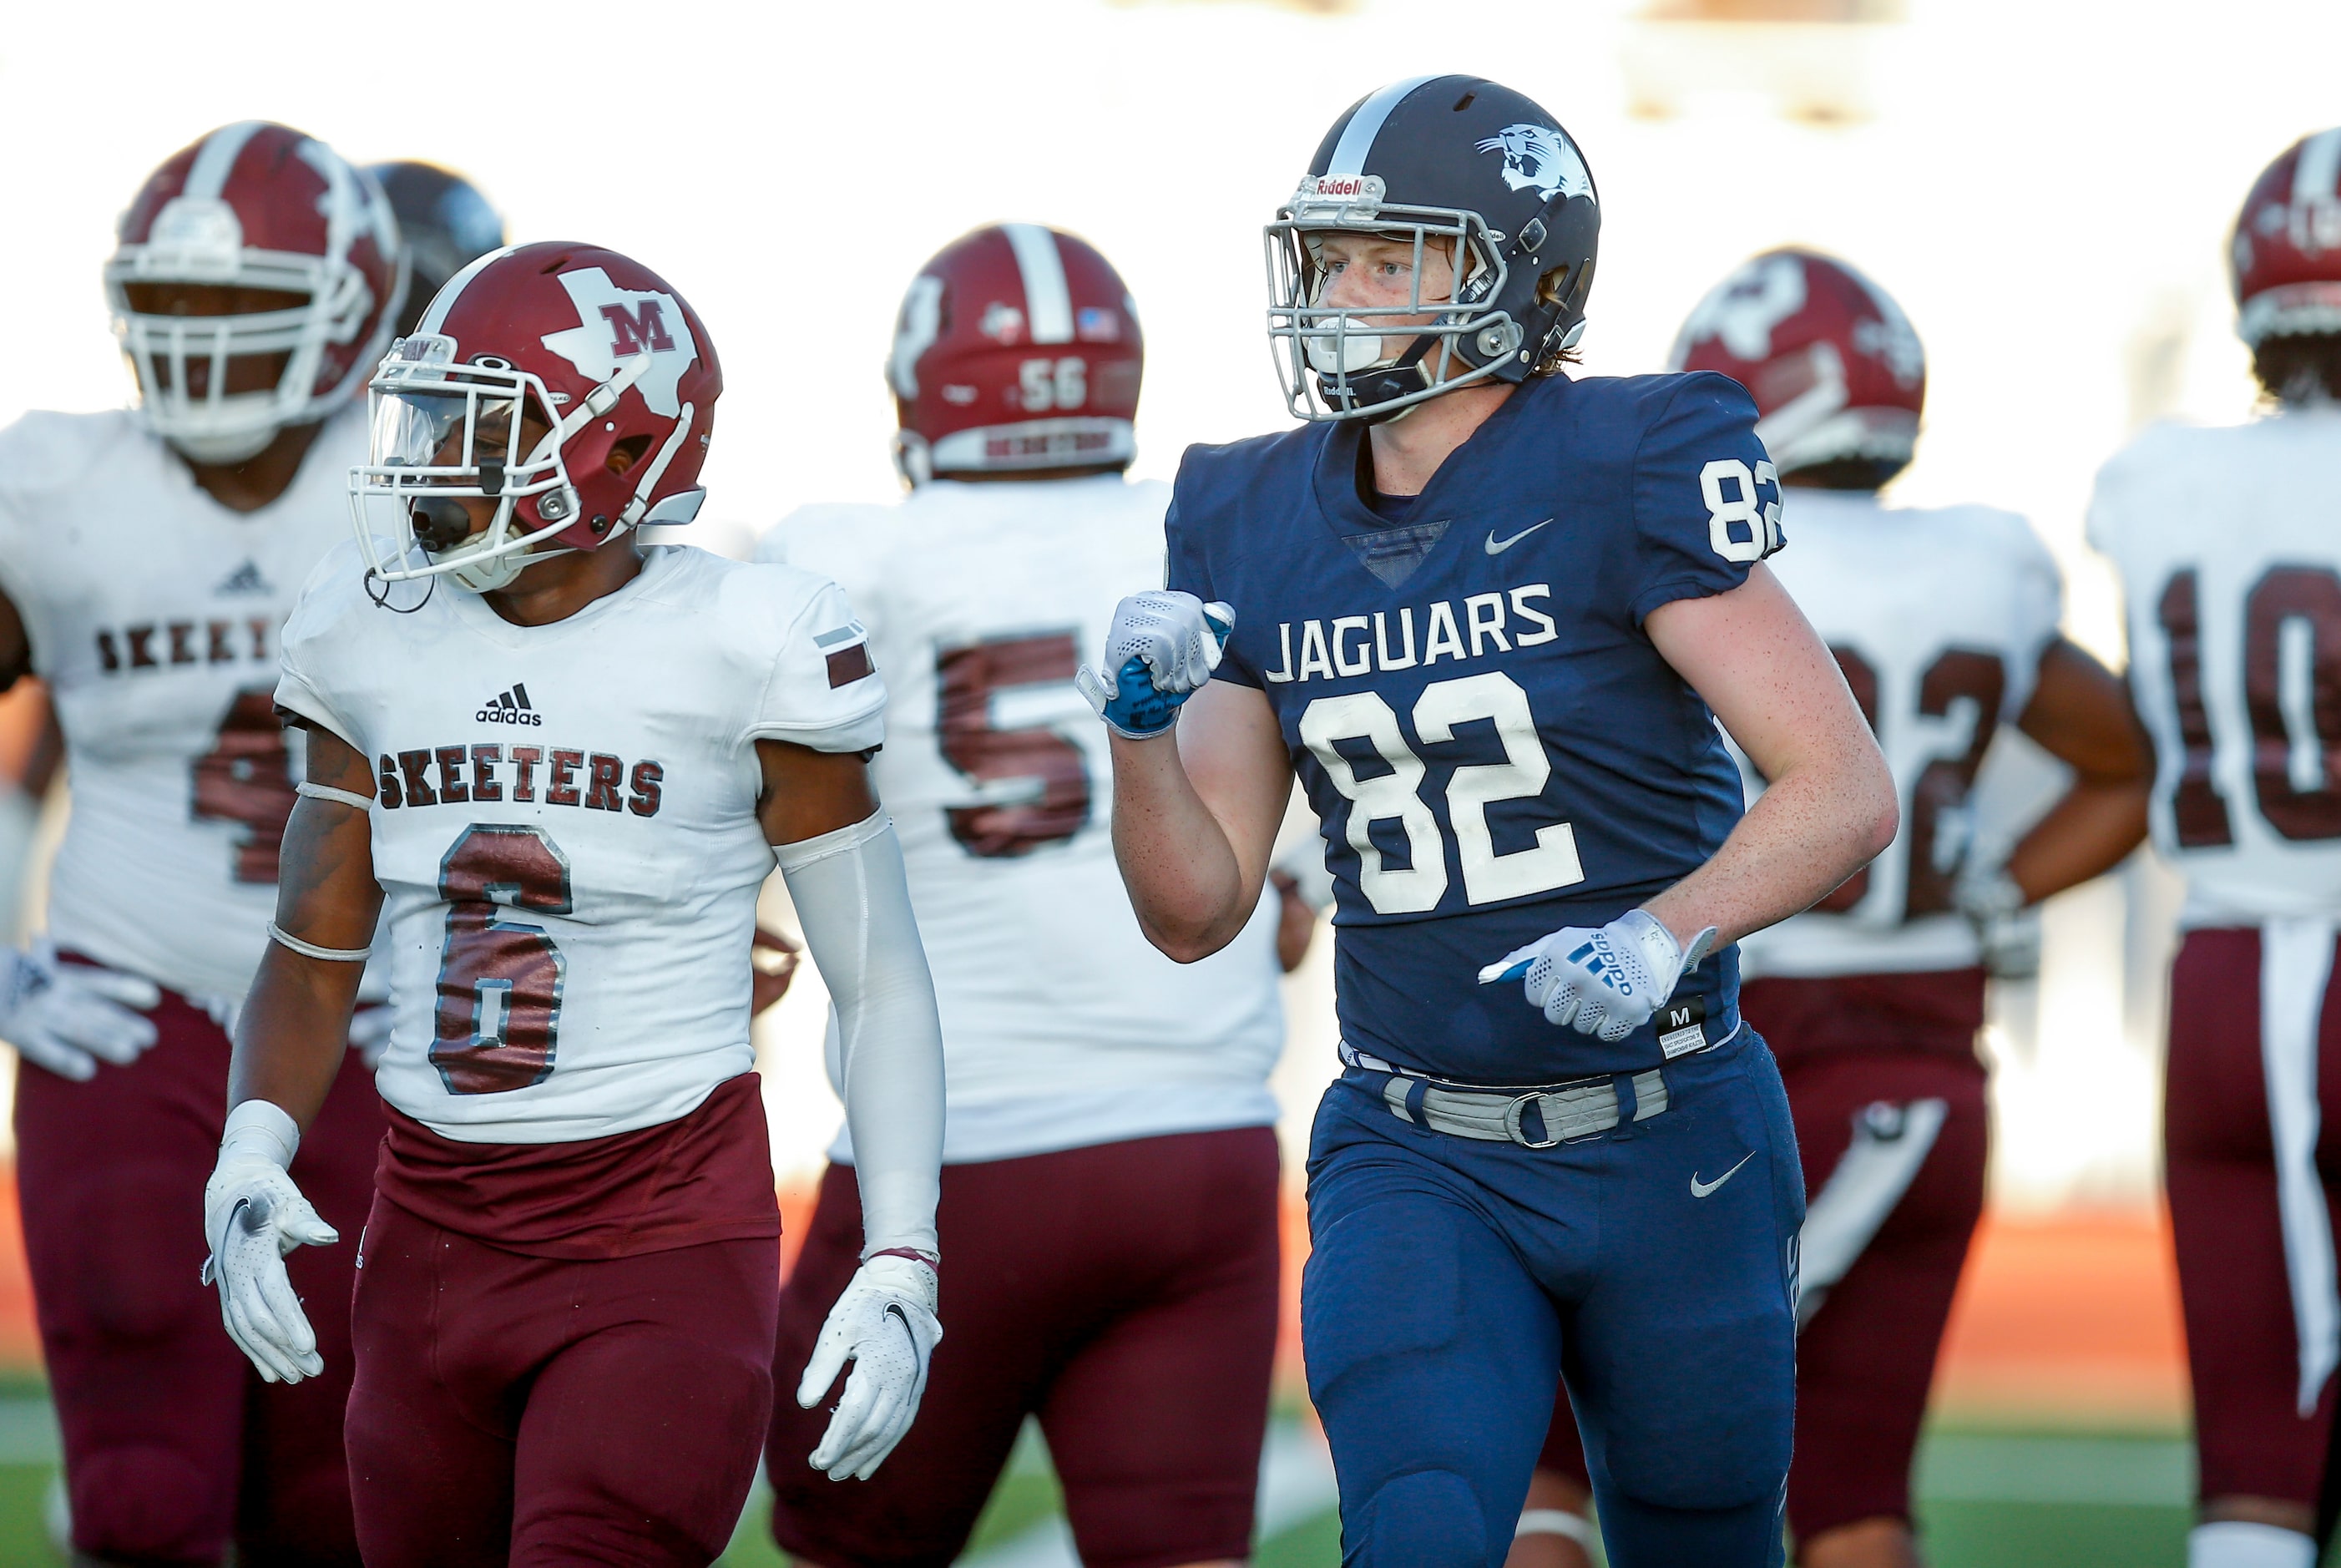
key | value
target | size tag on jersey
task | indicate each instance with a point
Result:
(1682, 1027)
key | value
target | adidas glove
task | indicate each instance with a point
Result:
(1605, 981)
(1162, 646)
(885, 1324)
(252, 1216)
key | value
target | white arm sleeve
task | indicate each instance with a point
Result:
(854, 904)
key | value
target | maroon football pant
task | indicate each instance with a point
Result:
(173, 1444)
(549, 1411)
(1866, 1359)
(1125, 1293)
(2250, 1438)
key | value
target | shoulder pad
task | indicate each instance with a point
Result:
(44, 452)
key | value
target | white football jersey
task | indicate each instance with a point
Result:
(564, 825)
(2230, 561)
(155, 615)
(1939, 619)
(1063, 1026)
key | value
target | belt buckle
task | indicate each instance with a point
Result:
(1512, 1124)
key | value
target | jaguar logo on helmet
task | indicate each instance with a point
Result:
(1539, 158)
(617, 323)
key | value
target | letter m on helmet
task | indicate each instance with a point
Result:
(642, 326)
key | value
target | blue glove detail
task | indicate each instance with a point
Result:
(1162, 647)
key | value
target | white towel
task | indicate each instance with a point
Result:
(2295, 961)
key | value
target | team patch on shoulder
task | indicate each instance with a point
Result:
(847, 665)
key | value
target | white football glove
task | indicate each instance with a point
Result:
(69, 1017)
(252, 1216)
(886, 1323)
(1161, 648)
(2009, 931)
(1605, 981)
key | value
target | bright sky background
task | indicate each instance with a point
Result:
(2045, 186)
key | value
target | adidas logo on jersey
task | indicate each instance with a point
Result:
(245, 579)
(510, 706)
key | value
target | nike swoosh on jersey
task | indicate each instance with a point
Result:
(1498, 547)
(1700, 1189)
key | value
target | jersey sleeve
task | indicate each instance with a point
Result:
(1706, 507)
(1186, 569)
(306, 647)
(820, 688)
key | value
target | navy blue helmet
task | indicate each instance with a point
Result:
(446, 223)
(1467, 170)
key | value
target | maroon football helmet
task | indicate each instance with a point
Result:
(1018, 348)
(1836, 372)
(255, 205)
(2286, 254)
(596, 349)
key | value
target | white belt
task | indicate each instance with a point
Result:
(1560, 1113)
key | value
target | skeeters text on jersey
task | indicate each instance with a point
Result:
(570, 904)
(154, 613)
(2231, 570)
(1492, 744)
(1063, 1026)
(1939, 619)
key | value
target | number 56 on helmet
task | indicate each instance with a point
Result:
(567, 385)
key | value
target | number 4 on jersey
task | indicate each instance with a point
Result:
(247, 778)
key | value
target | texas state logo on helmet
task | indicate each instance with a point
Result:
(254, 207)
(1836, 372)
(2287, 255)
(1456, 163)
(1018, 347)
(568, 385)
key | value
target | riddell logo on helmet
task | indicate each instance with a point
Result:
(1341, 188)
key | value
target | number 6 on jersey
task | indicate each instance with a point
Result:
(498, 1015)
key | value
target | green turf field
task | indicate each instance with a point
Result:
(1988, 1500)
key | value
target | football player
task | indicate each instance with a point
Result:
(147, 559)
(1945, 624)
(2231, 569)
(447, 222)
(1489, 612)
(560, 764)
(1110, 1177)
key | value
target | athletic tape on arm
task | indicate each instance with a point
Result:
(854, 902)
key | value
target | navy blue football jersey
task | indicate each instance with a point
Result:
(1493, 746)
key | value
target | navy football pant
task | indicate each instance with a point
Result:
(1453, 1282)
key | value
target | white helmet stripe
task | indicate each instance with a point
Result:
(453, 290)
(1358, 136)
(2319, 168)
(1048, 301)
(207, 177)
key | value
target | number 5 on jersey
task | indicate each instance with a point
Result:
(500, 980)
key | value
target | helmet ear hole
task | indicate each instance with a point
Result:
(626, 453)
